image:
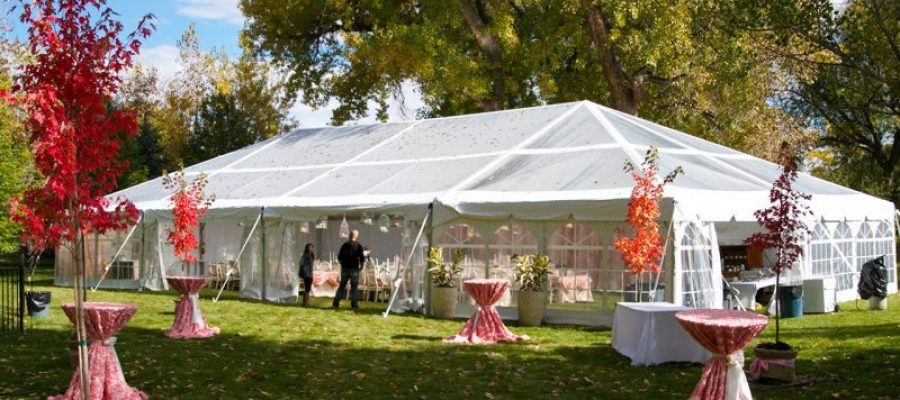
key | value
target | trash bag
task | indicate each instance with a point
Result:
(873, 279)
(37, 301)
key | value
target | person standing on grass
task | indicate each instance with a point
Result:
(306, 270)
(352, 258)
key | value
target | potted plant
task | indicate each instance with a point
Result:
(444, 291)
(531, 275)
(784, 231)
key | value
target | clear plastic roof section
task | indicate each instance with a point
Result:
(565, 147)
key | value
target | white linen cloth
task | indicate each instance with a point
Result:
(648, 334)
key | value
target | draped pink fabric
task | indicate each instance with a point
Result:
(723, 332)
(189, 321)
(485, 326)
(102, 320)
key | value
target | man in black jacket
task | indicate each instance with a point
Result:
(352, 258)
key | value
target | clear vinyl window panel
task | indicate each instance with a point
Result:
(697, 286)
(576, 252)
(845, 270)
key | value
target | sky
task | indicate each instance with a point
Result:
(218, 24)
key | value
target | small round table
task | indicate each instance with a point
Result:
(102, 321)
(189, 321)
(724, 333)
(485, 325)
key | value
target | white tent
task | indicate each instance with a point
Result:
(546, 179)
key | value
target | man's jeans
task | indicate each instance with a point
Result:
(353, 276)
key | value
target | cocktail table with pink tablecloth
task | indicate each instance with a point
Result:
(485, 325)
(189, 320)
(649, 334)
(102, 321)
(724, 333)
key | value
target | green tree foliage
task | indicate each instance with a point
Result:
(679, 63)
(844, 71)
(214, 105)
(16, 170)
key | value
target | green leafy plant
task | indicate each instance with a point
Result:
(531, 271)
(443, 274)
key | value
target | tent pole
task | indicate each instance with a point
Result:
(142, 263)
(429, 240)
(398, 277)
(262, 250)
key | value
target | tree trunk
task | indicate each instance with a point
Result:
(624, 91)
(475, 17)
(777, 307)
(80, 331)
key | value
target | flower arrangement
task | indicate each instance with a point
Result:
(189, 205)
(531, 271)
(643, 251)
(443, 274)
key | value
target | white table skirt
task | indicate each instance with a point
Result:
(648, 334)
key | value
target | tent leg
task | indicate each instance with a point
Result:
(142, 263)
(262, 252)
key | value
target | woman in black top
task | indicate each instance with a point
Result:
(306, 270)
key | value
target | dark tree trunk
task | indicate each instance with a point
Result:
(475, 15)
(624, 91)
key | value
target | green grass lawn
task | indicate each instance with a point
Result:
(272, 351)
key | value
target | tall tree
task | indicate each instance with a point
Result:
(140, 92)
(675, 62)
(78, 56)
(16, 170)
(844, 81)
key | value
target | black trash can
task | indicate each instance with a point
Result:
(38, 304)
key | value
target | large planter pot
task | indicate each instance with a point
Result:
(443, 302)
(777, 371)
(878, 303)
(531, 307)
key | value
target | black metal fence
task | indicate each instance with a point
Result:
(12, 299)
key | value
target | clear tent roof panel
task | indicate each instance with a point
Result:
(229, 158)
(322, 146)
(669, 133)
(478, 133)
(637, 134)
(271, 184)
(583, 170)
(581, 129)
(769, 172)
(702, 173)
(429, 176)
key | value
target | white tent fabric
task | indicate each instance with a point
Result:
(540, 168)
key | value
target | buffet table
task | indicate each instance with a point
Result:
(649, 334)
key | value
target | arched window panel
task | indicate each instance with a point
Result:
(821, 253)
(843, 269)
(508, 241)
(694, 255)
(465, 237)
(575, 252)
(885, 245)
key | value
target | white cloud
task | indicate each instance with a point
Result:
(164, 58)
(215, 10)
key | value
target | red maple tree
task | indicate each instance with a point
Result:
(78, 55)
(783, 223)
(643, 251)
(189, 205)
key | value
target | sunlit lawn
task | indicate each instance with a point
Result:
(271, 351)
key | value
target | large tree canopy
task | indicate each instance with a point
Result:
(844, 80)
(676, 62)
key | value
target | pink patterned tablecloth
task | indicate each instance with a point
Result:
(102, 321)
(724, 333)
(485, 326)
(189, 320)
